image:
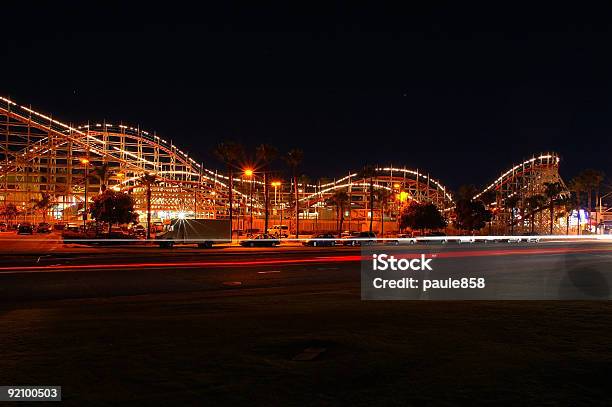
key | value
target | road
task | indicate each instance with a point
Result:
(132, 325)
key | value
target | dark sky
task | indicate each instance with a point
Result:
(460, 92)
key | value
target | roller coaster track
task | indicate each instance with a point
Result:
(526, 179)
(402, 186)
(40, 154)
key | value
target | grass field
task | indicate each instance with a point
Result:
(238, 349)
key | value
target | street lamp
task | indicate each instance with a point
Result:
(249, 173)
(276, 184)
(85, 163)
(601, 198)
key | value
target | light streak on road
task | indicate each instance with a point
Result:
(293, 261)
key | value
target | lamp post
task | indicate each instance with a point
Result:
(85, 163)
(600, 217)
(249, 173)
(276, 184)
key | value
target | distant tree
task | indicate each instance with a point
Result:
(576, 185)
(466, 192)
(229, 153)
(43, 204)
(265, 154)
(534, 203)
(113, 207)
(148, 181)
(339, 200)
(510, 204)
(294, 159)
(9, 212)
(471, 215)
(590, 180)
(568, 204)
(101, 173)
(489, 198)
(552, 192)
(368, 173)
(421, 216)
(382, 196)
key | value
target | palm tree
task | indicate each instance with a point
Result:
(229, 153)
(9, 211)
(101, 173)
(591, 180)
(552, 191)
(265, 154)
(511, 203)
(148, 180)
(568, 204)
(576, 185)
(294, 159)
(534, 202)
(489, 198)
(339, 199)
(368, 172)
(43, 204)
(382, 196)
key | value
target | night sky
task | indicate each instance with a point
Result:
(459, 92)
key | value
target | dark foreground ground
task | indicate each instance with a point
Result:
(219, 344)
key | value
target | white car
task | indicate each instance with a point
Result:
(466, 239)
(279, 230)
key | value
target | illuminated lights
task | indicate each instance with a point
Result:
(531, 161)
(403, 196)
(182, 173)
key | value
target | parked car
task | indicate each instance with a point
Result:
(261, 240)
(360, 239)
(532, 237)
(44, 227)
(279, 230)
(3, 227)
(406, 238)
(25, 228)
(440, 237)
(116, 232)
(72, 231)
(321, 239)
(139, 231)
(347, 233)
(466, 239)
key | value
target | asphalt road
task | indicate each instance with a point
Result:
(286, 326)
